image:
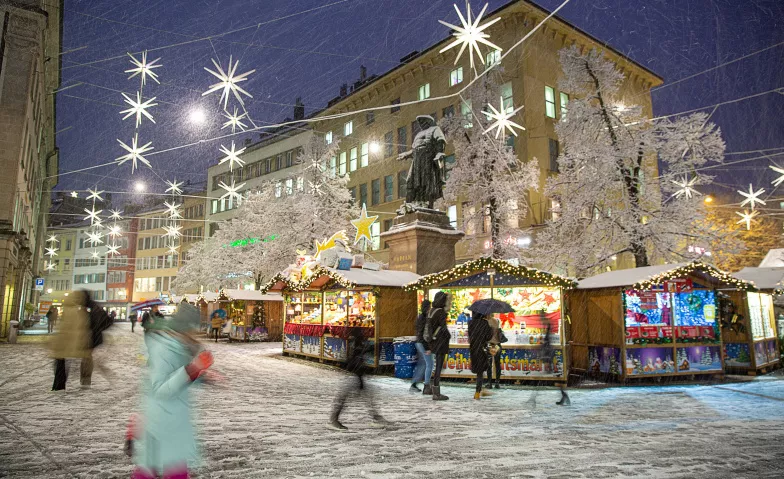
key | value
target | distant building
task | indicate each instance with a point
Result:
(155, 266)
(120, 269)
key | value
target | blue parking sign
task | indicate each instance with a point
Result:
(39, 284)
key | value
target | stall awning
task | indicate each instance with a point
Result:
(763, 278)
(648, 276)
(250, 295)
(355, 277)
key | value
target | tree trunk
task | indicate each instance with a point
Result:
(494, 229)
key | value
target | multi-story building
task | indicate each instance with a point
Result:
(155, 265)
(89, 266)
(29, 73)
(370, 141)
(120, 269)
(193, 221)
(58, 280)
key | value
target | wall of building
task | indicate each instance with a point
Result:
(155, 266)
(89, 272)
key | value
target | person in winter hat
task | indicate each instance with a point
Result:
(424, 367)
(437, 335)
(73, 338)
(479, 334)
(166, 444)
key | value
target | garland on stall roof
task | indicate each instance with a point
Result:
(484, 263)
(305, 282)
(690, 268)
(280, 277)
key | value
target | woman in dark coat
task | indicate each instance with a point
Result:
(479, 333)
(424, 367)
(438, 336)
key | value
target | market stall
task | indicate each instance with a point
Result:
(651, 321)
(254, 316)
(537, 299)
(750, 332)
(321, 308)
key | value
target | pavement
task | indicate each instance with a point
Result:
(268, 419)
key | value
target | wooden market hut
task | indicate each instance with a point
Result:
(537, 299)
(320, 309)
(242, 304)
(751, 336)
(652, 321)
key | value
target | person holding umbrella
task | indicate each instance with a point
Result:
(149, 317)
(479, 334)
(488, 308)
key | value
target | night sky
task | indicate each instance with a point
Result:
(311, 54)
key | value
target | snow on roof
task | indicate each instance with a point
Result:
(384, 277)
(625, 277)
(774, 258)
(209, 296)
(251, 295)
(763, 278)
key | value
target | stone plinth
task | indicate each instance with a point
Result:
(422, 241)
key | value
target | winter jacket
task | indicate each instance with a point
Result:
(73, 338)
(150, 316)
(217, 322)
(167, 437)
(99, 322)
(421, 320)
(479, 333)
(436, 333)
(358, 346)
(495, 328)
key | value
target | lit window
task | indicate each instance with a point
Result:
(549, 101)
(564, 103)
(465, 110)
(328, 138)
(342, 164)
(506, 95)
(424, 91)
(348, 128)
(300, 184)
(492, 58)
(333, 163)
(451, 212)
(456, 76)
(363, 157)
(352, 164)
(375, 232)
(289, 186)
(278, 189)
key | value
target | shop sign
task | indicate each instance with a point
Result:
(43, 307)
(679, 285)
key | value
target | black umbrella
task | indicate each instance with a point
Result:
(490, 306)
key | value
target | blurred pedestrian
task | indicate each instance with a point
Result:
(437, 335)
(132, 318)
(149, 317)
(99, 321)
(479, 334)
(51, 318)
(495, 341)
(424, 367)
(165, 445)
(72, 340)
(217, 325)
(358, 346)
(547, 353)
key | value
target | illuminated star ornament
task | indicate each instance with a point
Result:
(94, 238)
(50, 266)
(172, 209)
(138, 108)
(746, 217)
(470, 35)
(235, 121)
(114, 231)
(94, 195)
(172, 249)
(780, 179)
(172, 231)
(95, 254)
(51, 252)
(686, 187)
(363, 224)
(143, 68)
(752, 197)
(115, 215)
(231, 156)
(92, 215)
(502, 120)
(74, 194)
(52, 239)
(231, 190)
(174, 187)
(112, 249)
(228, 82)
(134, 153)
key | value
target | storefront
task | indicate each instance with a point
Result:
(320, 310)
(650, 322)
(537, 300)
(254, 316)
(751, 342)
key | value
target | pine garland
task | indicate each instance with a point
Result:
(676, 273)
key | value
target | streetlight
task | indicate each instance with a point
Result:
(197, 116)
(374, 147)
(708, 199)
(139, 186)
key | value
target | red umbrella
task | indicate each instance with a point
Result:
(147, 304)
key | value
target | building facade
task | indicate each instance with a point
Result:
(120, 269)
(89, 271)
(155, 266)
(58, 279)
(29, 74)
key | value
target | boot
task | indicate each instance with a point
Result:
(477, 395)
(414, 388)
(564, 399)
(437, 396)
(498, 384)
(427, 390)
(485, 392)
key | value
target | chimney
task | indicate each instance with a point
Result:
(344, 89)
(362, 73)
(299, 109)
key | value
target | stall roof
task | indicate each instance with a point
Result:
(209, 296)
(774, 258)
(763, 278)
(485, 263)
(250, 295)
(347, 278)
(647, 276)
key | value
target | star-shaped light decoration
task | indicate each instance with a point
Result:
(752, 197)
(50, 266)
(171, 208)
(95, 254)
(94, 195)
(686, 188)
(228, 82)
(74, 194)
(134, 153)
(231, 156)
(92, 215)
(235, 121)
(138, 108)
(780, 179)
(362, 224)
(470, 35)
(94, 238)
(116, 215)
(746, 217)
(51, 252)
(143, 68)
(173, 249)
(112, 249)
(172, 231)
(315, 188)
(114, 231)
(503, 121)
(174, 187)
(52, 239)
(232, 191)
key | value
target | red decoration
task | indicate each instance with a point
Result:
(477, 294)
(507, 320)
(304, 329)
(548, 299)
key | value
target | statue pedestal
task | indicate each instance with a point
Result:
(422, 241)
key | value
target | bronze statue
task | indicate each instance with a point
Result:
(426, 177)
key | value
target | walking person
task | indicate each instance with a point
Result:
(437, 336)
(424, 367)
(355, 384)
(99, 321)
(73, 338)
(132, 318)
(217, 325)
(149, 317)
(51, 318)
(479, 335)
(165, 445)
(496, 339)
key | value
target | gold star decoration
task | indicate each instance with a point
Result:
(363, 224)
(330, 243)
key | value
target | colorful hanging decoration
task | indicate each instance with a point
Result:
(363, 224)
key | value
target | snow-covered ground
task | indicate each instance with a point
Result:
(268, 420)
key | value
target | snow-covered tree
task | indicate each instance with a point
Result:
(487, 177)
(612, 200)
